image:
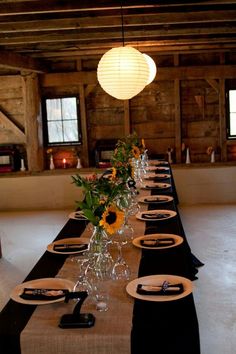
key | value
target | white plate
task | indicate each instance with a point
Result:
(161, 168)
(152, 199)
(151, 168)
(43, 283)
(178, 240)
(171, 214)
(154, 175)
(158, 280)
(77, 215)
(150, 184)
(157, 162)
(71, 241)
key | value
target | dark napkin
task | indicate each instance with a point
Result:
(155, 216)
(164, 289)
(43, 294)
(157, 242)
(157, 199)
(72, 247)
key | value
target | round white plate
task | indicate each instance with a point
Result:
(160, 168)
(71, 241)
(170, 213)
(157, 162)
(43, 283)
(151, 168)
(154, 175)
(158, 280)
(178, 240)
(150, 184)
(152, 199)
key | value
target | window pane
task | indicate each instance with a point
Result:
(53, 109)
(71, 130)
(55, 132)
(233, 124)
(69, 110)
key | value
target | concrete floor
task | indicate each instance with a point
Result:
(211, 231)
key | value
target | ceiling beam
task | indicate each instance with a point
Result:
(20, 62)
(107, 22)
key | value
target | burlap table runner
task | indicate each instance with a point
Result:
(111, 333)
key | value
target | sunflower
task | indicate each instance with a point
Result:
(143, 143)
(112, 219)
(135, 151)
(114, 173)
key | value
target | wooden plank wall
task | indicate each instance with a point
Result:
(185, 104)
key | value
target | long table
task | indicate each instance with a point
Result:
(130, 325)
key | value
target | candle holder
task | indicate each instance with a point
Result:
(64, 164)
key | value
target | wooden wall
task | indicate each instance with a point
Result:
(185, 104)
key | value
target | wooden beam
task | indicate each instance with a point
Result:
(214, 84)
(32, 115)
(83, 127)
(11, 126)
(168, 73)
(88, 89)
(197, 72)
(68, 79)
(82, 36)
(110, 21)
(50, 6)
(178, 136)
(222, 121)
(20, 62)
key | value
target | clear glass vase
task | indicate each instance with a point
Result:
(99, 258)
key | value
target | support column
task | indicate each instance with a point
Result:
(33, 121)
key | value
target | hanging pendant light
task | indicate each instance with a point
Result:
(123, 72)
(152, 68)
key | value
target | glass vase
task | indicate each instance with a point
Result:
(99, 258)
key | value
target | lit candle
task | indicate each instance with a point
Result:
(64, 163)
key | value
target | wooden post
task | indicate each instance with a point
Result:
(83, 126)
(222, 121)
(178, 135)
(33, 121)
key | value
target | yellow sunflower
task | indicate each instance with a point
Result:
(114, 172)
(112, 219)
(135, 151)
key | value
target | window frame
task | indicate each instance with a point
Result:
(45, 121)
(228, 121)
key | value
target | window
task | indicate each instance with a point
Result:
(61, 123)
(231, 128)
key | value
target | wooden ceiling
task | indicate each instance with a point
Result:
(36, 33)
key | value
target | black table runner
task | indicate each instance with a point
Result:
(169, 327)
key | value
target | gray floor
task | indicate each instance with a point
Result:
(211, 232)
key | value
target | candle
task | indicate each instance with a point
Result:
(64, 163)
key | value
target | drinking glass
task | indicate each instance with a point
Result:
(120, 268)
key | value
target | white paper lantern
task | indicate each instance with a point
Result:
(123, 72)
(152, 68)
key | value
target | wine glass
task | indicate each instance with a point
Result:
(120, 268)
(128, 205)
(83, 282)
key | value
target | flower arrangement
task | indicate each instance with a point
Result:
(99, 204)
(126, 150)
